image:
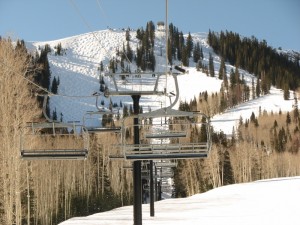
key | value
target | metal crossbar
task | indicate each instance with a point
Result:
(31, 154)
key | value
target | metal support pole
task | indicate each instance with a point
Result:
(159, 190)
(151, 189)
(137, 170)
(156, 189)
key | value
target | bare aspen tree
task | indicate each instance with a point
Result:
(16, 108)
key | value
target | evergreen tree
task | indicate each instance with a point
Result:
(42, 77)
(203, 130)
(54, 115)
(288, 119)
(223, 100)
(246, 93)
(197, 53)
(185, 57)
(125, 111)
(54, 86)
(227, 170)
(59, 50)
(201, 53)
(225, 79)
(233, 81)
(258, 90)
(296, 110)
(101, 67)
(222, 69)
(127, 35)
(253, 89)
(189, 45)
(282, 140)
(129, 52)
(211, 65)
(252, 117)
(150, 29)
(264, 84)
(140, 34)
(286, 92)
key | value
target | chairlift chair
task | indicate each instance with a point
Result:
(99, 121)
(96, 123)
(139, 83)
(163, 164)
(168, 135)
(53, 141)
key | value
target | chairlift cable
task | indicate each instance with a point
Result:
(90, 28)
(166, 30)
(102, 11)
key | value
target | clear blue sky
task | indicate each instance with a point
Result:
(276, 21)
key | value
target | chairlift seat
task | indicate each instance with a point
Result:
(54, 141)
(178, 126)
(92, 121)
(163, 135)
(167, 151)
(165, 164)
(103, 129)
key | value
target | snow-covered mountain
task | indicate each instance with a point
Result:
(78, 72)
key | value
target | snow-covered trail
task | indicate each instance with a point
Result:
(265, 202)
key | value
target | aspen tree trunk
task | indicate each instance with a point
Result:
(15, 110)
(28, 193)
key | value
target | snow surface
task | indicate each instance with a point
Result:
(264, 202)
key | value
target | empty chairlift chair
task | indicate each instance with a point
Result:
(52, 141)
(100, 121)
(168, 134)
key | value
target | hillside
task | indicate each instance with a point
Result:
(78, 73)
(264, 202)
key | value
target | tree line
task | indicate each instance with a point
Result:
(261, 147)
(274, 66)
(48, 192)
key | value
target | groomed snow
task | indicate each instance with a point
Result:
(265, 202)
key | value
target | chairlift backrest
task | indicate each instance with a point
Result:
(100, 121)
